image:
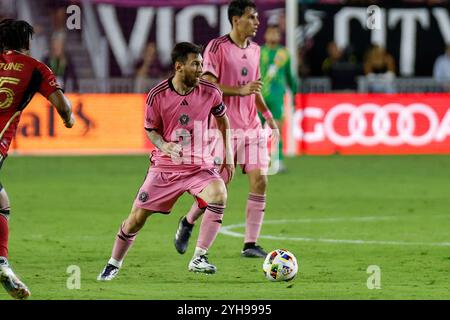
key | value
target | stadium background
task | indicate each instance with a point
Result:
(342, 211)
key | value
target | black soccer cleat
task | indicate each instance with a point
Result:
(253, 251)
(182, 236)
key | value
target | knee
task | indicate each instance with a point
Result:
(259, 184)
(4, 203)
(218, 195)
(3, 194)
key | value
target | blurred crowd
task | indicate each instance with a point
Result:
(378, 66)
(342, 66)
(49, 45)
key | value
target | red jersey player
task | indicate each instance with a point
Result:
(20, 78)
(177, 113)
(232, 62)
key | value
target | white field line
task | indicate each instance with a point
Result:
(227, 230)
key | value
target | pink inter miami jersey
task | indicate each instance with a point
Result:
(183, 119)
(235, 66)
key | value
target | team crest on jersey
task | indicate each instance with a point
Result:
(184, 119)
(143, 196)
(244, 71)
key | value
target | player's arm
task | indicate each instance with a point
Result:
(262, 107)
(223, 124)
(62, 105)
(50, 89)
(171, 149)
(250, 88)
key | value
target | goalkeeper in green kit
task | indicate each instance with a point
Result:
(276, 75)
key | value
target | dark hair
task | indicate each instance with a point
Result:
(237, 8)
(15, 34)
(181, 50)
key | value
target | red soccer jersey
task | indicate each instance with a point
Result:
(183, 119)
(21, 77)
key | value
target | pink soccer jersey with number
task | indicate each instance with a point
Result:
(183, 119)
(235, 66)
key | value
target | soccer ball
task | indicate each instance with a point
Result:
(280, 265)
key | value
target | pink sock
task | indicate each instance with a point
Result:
(194, 213)
(210, 226)
(122, 244)
(256, 204)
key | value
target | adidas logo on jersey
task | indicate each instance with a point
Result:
(244, 56)
(184, 103)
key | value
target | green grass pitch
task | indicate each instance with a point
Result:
(338, 215)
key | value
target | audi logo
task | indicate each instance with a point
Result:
(370, 124)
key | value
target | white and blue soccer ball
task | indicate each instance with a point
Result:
(280, 265)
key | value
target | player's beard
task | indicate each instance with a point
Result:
(191, 81)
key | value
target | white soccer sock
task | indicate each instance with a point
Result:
(115, 263)
(199, 252)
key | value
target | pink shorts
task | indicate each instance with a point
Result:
(250, 156)
(161, 190)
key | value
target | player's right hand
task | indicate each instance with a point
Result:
(251, 88)
(171, 149)
(71, 122)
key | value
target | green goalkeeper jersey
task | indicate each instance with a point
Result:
(276, 73)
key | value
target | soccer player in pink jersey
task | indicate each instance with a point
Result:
(232, 62)
(177, 113)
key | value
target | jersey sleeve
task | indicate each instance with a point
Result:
(152, 114)
(48, 84)
(211, 59)
(219, 108)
